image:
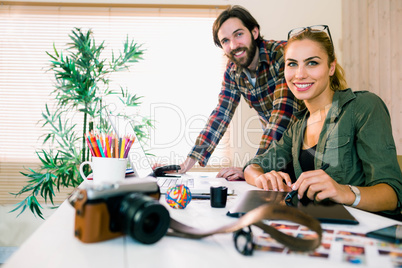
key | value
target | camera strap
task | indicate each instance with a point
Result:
(87, 212)
(255, 217)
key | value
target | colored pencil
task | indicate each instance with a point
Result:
(115, 148)
(128, 147)
(95, 145)
(91, 149)
(100, 147)
(109, 145)
(123, 141)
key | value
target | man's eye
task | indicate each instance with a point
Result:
(224, 42)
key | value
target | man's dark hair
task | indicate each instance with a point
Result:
(235, 12)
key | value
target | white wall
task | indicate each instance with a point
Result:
(276, 18)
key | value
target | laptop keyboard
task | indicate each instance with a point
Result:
(168, 182)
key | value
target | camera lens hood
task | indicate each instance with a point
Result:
(144, 218)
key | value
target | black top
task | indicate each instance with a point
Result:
(306, 158)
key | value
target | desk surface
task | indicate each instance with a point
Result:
(54, 244)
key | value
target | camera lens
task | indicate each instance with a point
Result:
(143, 218)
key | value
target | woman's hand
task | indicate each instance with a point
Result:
(318, 185)
(274, 180)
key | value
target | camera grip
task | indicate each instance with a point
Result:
(92, 221)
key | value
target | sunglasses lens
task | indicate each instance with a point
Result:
(296, 31)
(315, 28)
(243, 240)
(318, 28)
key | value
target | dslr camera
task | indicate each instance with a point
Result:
(109, 210)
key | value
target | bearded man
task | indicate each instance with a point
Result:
(255, 70)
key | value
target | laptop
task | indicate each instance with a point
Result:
(324, 212)
(199, 184)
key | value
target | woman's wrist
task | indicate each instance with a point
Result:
(351, 197)
(357, 195)
(251, 173)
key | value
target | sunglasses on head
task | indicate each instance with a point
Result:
(313, 29)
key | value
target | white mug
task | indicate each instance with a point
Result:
(105, 169)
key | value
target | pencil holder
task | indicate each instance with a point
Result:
(105, 169)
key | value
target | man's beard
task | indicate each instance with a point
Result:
(250, 53)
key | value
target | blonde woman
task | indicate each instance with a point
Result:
(348, 133)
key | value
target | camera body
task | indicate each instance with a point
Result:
(109, 210)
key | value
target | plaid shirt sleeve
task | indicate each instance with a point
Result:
(283, 106)
(218, 121)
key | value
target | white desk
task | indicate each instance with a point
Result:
(54, 244)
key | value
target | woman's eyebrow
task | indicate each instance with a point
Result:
(310, 58)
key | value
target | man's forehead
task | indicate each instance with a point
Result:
(230, 27)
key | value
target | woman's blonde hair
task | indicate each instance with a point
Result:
(337, 80)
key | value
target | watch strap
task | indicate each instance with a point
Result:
(356, 191)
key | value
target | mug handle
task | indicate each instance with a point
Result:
(82, 169)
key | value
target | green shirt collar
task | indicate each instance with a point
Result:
(340, 96)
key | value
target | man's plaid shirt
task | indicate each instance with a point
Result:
(271, 98)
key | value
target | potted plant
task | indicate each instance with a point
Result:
(81, 89)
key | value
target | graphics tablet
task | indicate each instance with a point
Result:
(325, 213)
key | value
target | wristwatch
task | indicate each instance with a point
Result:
(356, 191)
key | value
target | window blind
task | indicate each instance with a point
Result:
(179, 77)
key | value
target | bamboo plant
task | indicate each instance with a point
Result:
(82, 79)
